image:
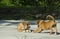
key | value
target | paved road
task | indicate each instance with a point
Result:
(8, 31)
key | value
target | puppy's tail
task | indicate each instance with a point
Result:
(52, 18)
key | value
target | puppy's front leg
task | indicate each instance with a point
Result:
(37, 30)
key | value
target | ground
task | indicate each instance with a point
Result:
(8, 31)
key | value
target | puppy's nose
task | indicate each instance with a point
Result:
(31, 30)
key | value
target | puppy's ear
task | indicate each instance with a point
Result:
(41, 21)
(37, 21)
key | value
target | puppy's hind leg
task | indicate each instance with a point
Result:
(55, 30)
(51, 31)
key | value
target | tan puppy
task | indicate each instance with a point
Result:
(22, 26)
(49, 25)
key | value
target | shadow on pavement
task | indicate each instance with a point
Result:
(58, 33)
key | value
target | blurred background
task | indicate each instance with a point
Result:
(29, 9)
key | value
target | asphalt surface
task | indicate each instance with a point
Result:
(8, 31)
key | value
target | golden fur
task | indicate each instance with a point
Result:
(22, 26)
(49, 25)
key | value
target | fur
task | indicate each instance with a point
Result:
(49, 25)
(22, 26)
